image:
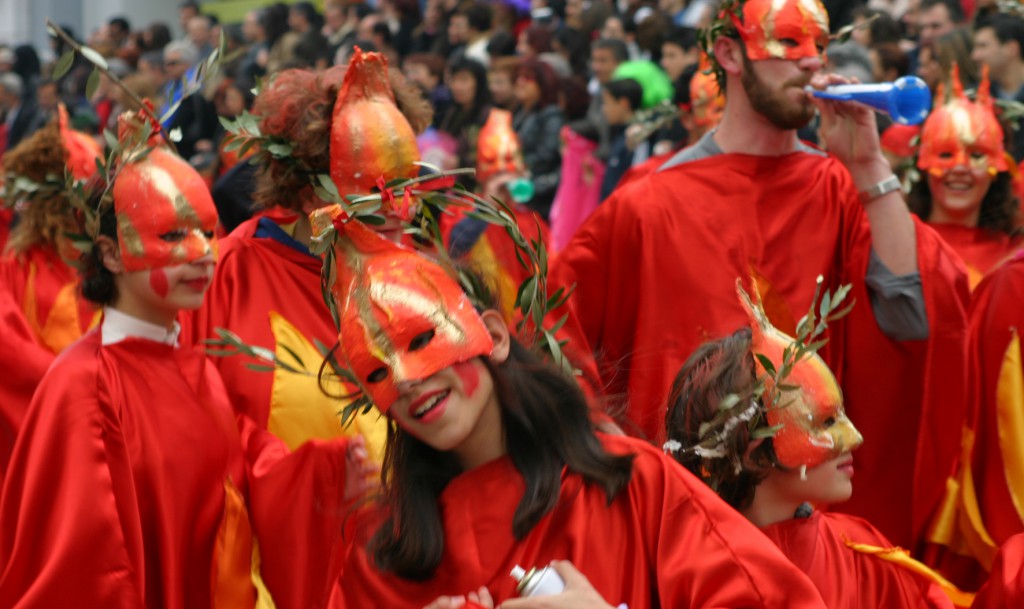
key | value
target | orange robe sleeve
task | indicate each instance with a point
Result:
(665, 541)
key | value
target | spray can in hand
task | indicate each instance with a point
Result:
(537, 582)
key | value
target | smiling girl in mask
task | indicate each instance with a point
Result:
(127, 483)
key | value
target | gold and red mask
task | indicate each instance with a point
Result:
(962, 133)
(498, 149)
(783, 29)
(706, 100)
(80, 150)
(165, 215)
(402, 317)
(813, 424)
(372, 142)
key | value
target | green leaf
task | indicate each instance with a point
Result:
(558, 324)
(279, 150)
(110, 138)
(170, 111)
(763, 433)
(62, 65)
(92, 84)
(260, 367)
(729, 401)
(294, 355)
(766, 363)
(94, 58)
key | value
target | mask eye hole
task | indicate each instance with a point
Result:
(829, 422)
(790, 43)
(421, 340)
(945, 155)
(377, 375)
(174, 236)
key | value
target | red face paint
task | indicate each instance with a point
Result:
(469, 375)
(158, 281)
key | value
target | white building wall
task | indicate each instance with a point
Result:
(23, 21)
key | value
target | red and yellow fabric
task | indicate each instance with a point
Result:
(984, 505)
(269, 271)
(42, 313)
(655, 270)
(1005, 587)
(115, 495)
(979, 249)
(266, 289)
(666, 541)
(853, 565)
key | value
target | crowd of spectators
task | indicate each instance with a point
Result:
(553, 63)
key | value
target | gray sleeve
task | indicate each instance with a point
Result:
(897, 301)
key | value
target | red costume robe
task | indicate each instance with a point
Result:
(266, 289)
(655, 270)
(845, 577)
(1005, 588)
(980, 249)
(983, 508)
(41, 313)
(666, 541)
(117, 493)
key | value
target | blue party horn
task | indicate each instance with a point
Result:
(907, 100)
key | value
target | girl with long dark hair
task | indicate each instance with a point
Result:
(492, 461)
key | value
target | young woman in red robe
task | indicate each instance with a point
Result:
(492, 461)
(719, 424)
(127, 482)
(41, 309)
(966, 193)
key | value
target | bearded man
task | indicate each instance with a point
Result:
(655, 267)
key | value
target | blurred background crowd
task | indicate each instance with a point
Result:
(575, 73)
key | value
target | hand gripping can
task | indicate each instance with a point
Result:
(537, 582)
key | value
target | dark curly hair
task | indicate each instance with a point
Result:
(715, 370)
(298, 106)
(998, 206)
(44, 219)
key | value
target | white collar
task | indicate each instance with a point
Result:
(118, 326)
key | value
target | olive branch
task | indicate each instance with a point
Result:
(750, 407)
